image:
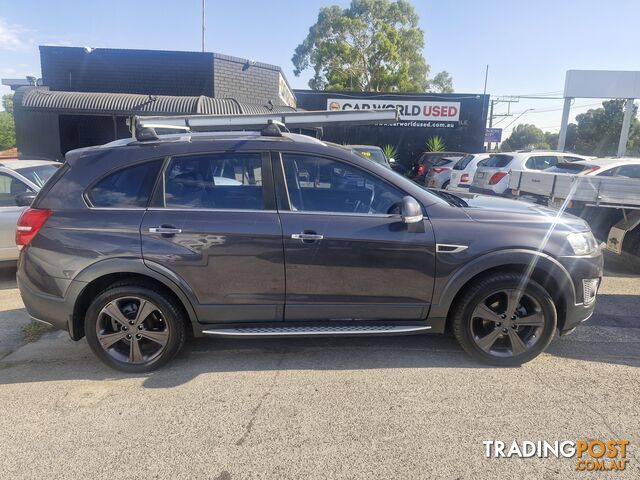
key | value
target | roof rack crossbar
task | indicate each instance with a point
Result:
(143, 125)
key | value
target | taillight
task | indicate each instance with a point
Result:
(591, 170)
(29, 223)
(440, 169)
(464, 178)
(496, 177)
(421, 169)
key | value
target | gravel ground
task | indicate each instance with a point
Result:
(395, 407)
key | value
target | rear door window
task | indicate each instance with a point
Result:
(541, 162)
(128, 187)
(218, 181)
(629, 171)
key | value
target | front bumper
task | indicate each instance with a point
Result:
(580, 268)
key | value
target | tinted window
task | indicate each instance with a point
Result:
(322, 185)
(228, 181)
(568, 168)
(38, 175)
(445, 161)
(608, 173)
(463, 162)
(374, 154)
(9, 188)
(498, 161)
(126, 188)
(629, 171)
(541, 162)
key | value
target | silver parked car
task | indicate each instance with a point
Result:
(20, 180)
(439, 174)
(462, 172)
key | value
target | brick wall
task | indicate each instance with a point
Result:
(237, 78)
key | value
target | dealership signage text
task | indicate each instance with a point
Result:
(412, 113)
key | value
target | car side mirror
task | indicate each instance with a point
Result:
(411, 210)
(25, 199)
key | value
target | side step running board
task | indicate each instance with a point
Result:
(303, 330)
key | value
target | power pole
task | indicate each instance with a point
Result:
(203, 21)
(490, 122)
(508, 101)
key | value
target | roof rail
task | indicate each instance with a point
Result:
(270, 124)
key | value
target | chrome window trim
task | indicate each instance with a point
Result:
(343, 214)
(232, 210)
(133, 209)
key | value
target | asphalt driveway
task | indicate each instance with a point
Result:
(395, 407)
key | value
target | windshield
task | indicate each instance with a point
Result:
(374, 154)
(498, 161)
(38, 174)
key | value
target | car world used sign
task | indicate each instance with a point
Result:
(412, 113)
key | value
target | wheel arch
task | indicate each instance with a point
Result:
(100, 275)
(545, 270)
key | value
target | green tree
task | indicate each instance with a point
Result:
(524, 136)
(373, 45)
(7, 131)
(598, 130)
(7, 102)
(441, 83)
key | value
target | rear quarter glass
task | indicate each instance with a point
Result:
(44, 191)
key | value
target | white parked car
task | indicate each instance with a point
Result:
(493, 176)
(20, 180)
(601, 167)
(463, 171)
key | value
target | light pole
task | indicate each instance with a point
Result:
(203, 22)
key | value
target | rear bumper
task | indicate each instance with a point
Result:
(54, 310)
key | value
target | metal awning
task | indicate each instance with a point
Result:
(126, 104)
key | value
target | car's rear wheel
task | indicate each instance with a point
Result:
(134, 328)
(501, 321)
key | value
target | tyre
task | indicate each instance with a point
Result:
(134, 328)
(500, 322)
(445, 185)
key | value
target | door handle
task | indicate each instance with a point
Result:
(165, 230)
(306, 237)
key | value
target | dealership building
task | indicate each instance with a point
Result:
(86, 95)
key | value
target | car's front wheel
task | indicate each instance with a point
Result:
(504, 319)
(134, 328)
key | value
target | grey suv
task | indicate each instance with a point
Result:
(139, 244)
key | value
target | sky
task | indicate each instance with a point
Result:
(528, 45)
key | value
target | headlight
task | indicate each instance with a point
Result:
(582, 243)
